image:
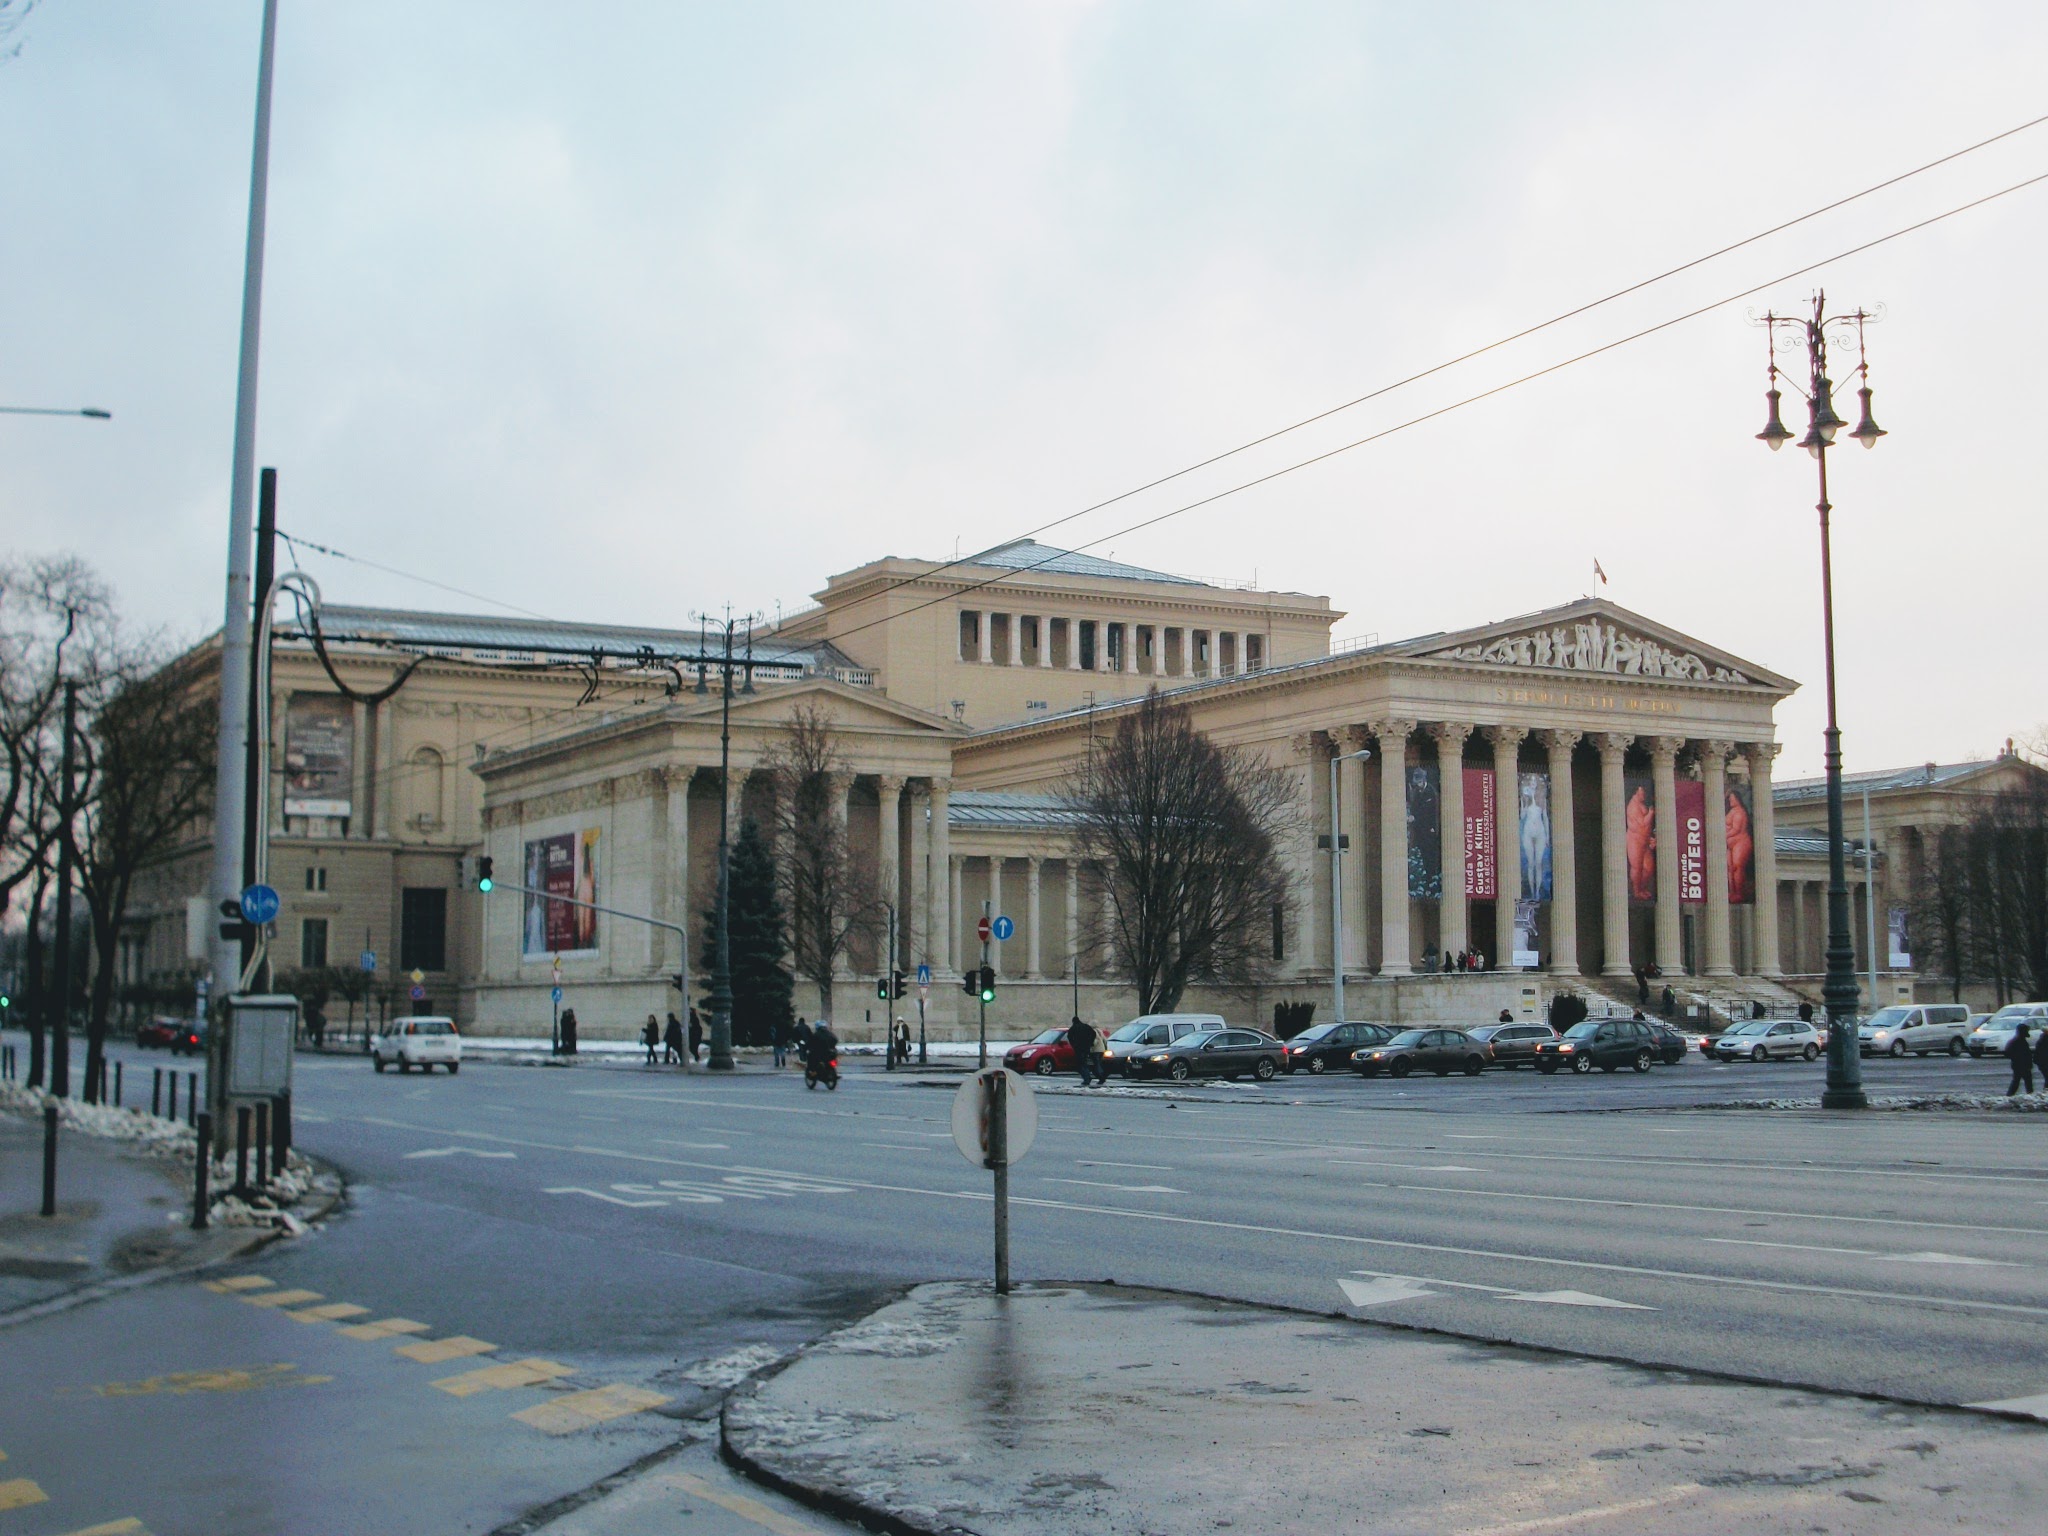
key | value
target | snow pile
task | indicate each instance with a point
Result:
(2019, 1103)
(147, 1133)
(897, 1338)
(731, 1369)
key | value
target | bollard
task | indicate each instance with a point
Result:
(191, 1098)
(199, 1200)
(156, 1091)
(281, 1131)
(117, 1085)
(262, 1143)
(241, 1149)
(49, 1157)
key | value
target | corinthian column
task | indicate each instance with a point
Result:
(1353, 870)
(1507, 837)
(1393, 740)
(1613, 853)
(1450, 772)
(1763, 826)
(889, 850)
(1031, 945)
(939, 880)
(1720, 957)
(1664, 771)
(1564, 856)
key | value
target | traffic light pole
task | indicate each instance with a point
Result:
(982, 991)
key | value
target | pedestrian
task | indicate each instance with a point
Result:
(902, 1043)
(696, 1035)
(778, 1040)
(568, 1031)
(1638, 1016)
(1667, 1003)
(672, 1042)
(800, 1040)
(1642, 988)
(2020, 1052)
(1806, 1013)
(1098, 1056)
(1756, 1010)
(1506, 1017)
(650, 1036)
(2041, 1054)
(1081, 1039)
(1429, 958)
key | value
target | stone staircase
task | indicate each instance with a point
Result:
(1713, 1002)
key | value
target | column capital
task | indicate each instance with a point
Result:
(677, 775)
(1560, 740)
(938, 789)
(1613, 743)
(1395, 730)
(1665, 749)
(1719, 751)
(1309, 746)
(1354, 738)
(1761, 752)
(888, 785)
(1509, 736)
(1449, 733)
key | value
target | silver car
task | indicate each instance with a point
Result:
(1916, 1027)
(1154, 1032)
(1992, 1036)
(1763, 1039)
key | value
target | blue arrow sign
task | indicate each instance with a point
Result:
(924, 975)
(1002, 928)
(259, 905)
(557, 995)
(367, 960)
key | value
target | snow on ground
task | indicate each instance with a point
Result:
(2021, 1103)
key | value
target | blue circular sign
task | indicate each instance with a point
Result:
(557, 995)
(367, 960)
(1002, 928)
(259, 905)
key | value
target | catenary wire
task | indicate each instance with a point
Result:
(1012, 573)
(296, 542)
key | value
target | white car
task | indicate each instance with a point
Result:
(425, 1043)
(1765, 1038)
(1919, 1028)
(1153, 1032)
(1992, 1036)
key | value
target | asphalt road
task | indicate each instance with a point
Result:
(638, 1227)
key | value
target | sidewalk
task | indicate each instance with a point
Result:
(1106, 1409)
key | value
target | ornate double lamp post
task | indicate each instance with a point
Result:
(1838, 991)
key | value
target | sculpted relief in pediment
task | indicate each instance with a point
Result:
(1592, 646)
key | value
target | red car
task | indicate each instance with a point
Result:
(1044, 1053)
(180, 1037)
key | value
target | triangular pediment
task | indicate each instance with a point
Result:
(1596, 637)
(852, 709)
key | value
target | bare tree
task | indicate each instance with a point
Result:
(830, 902)
(1984, 900)
(1187, 835)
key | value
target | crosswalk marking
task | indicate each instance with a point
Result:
(384, 1328)
(235, 1283)
(20, 1492)
(333, 1312)
(283, 1298)
(434, 1351)
(579, 1410)
(520, 1373)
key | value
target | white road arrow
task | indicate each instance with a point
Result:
(598, 1195)
(1129, 1189)
(1575, 1299)
(1946, 1258)
(1373, 1293)
(457, 1152)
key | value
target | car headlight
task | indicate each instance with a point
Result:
(1567, 1049)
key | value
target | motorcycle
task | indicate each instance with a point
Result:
(825, 1071)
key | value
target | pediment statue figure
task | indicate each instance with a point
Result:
(1591, 645)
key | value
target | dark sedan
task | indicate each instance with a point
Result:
(1512, 1045)
(1604, 1043)
(1672, 1044)
(1227, 1053)
(1323, 1046)
(1441, 1051)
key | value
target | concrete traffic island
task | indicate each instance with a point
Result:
(1116, 1410)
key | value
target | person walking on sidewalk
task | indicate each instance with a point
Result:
(672, 1042)
(1098, 1056)
(2041, 1055)
(696, 1036)
(650, 1036)
(778, 1040)
(800, 1040)
(1081, 1038)
(902, 1043)
(2020, 1052)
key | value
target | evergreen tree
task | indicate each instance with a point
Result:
(762, 987)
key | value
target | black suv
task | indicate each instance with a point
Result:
(1603, 1043)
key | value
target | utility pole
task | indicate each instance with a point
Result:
(229, 798)
(981, 991)
(255, 778)
(60, 1018)
(721, 949)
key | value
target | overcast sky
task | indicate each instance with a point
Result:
(614, 311)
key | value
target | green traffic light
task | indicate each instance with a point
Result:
(484, 884)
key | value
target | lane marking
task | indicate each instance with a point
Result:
(579, 1410)
(499, 1378)
(1715, 1210)
(333, 1312)
(577, 1189)
(1671, 1495)
(20, 1492)
(283, 1298)
(456, 1152)
(2034, 1407)
(129, 1527)
(1870, 1253)
(739, 1504)
(384, 1328)
(1373, 1293)
(239, 1283)
(694, 1146)
(1339, 1162)
(231, 1379)
(894, 1146)
(1387, 1287)
(1129, 1189)
(434, 1351)
(1576, 1299)
(1140, 1167)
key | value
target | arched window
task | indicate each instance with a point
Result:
(422, 791)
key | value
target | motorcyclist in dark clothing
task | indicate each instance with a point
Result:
(2020, 1052)
(2041, 1055)
(821, 1060)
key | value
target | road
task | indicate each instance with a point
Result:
(633, 1225)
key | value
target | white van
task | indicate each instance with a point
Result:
(424, 1042)
(1152, 1030)
(1916, 1027)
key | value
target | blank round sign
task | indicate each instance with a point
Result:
(970, 1122)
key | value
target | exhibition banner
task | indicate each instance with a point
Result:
(1639, 836)
(562, 865)
(1481, 865)
(1425, 834)
(1901, 949)
(1534, 823)
(319, 755)
(1691, 811)
(1741, 846)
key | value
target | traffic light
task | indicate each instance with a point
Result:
(988, 983)
(896, 980)
(483, 872)
(970, 982)
(882, 988)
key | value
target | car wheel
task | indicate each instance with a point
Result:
(1955, 1046)
(454, 1067)
(404, 1065)
(1044, 1067)
(1474, 1066)
(377, 1062)
(1642, 1061)
(1582, 1063)
(1898, 1048)
(1178, 1071)
(1401, 1067)
(1315, 1065)
(1811, 1052)
(1264, 1069)
(1760, 1054)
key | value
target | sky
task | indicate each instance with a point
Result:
(622, 311)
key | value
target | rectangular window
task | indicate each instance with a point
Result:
(1279, 931)
(1254, 653)
(316, 878)
(1090, 634)
(312, 942)
(970, 635)
(423, 928)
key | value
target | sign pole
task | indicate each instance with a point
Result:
(978, 991)
(996, 1085)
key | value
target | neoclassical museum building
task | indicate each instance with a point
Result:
(1577, 795)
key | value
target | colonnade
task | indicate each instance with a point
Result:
(1114, 645)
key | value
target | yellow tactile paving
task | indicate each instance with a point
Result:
(384, 1328)
(283, 1298)
(434, 1351)
(579, 1410)
(235, 1283)
(747, 1509)
(520, 1373)
(129, 1527)
(20, 1492)
(334, 1311)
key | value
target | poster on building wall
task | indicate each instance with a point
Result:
(1741, 847)
(1425, 834)
(1639, 835)
(1901, 951)
(1481, 811)
(1526, 956)
(562, 865)
(319, 755)
(1534, 824)
(1691, 811)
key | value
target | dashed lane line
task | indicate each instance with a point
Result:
(1672, 1495)
(434, 1351)
(1712, 1210)
(332, 1312)
(283, 1298)
(384, 1328)
(236, 1283)
(20, 1493)
(498, 1378)
(739, 1504)
(129, 1527)
(580, 1410)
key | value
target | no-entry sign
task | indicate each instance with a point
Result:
(982, 929)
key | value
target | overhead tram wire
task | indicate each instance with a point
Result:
(1012, 573)
(297, 542)
(1466, 357)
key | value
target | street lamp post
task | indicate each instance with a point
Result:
(92, 411)
(1844, 1088)
(1337, 884)
(720, 1059)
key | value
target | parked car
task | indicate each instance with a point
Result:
(1918, 1027)
(422, 1042)
(1608, 1044)
(1149, 1032)
(1045, 1053)
(1441, 1051)
(1511, 1045)
(1323, 1046)
(1226, 1053)
(178, 1036)
(1672, 1043)
(1762, 1039)
(1995, 1033)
